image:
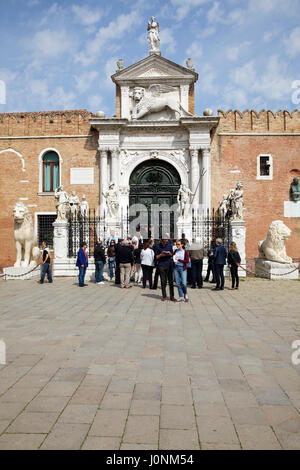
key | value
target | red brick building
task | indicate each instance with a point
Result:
(260, 149)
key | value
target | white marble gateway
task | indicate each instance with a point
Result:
(153, 122)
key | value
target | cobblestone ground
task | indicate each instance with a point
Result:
(105, 368)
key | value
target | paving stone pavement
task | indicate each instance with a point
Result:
(105, 368)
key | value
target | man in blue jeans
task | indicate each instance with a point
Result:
(82, 264)
(46, 264)
(100, 260)
(220, 256)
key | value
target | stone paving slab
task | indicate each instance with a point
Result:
(105, 368)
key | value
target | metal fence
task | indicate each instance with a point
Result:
(208, 226)
(91, 228)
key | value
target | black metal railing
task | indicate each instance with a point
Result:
(207, 226)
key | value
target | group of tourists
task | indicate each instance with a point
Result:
(133, 260)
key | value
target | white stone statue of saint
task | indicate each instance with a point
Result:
(153, 37)
(84, 207)
(183, 199)
(62, 206)
(74, 203)
(112, 202)
(224, 205)
(237, 202)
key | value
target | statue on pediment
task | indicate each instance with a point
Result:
(153, 37)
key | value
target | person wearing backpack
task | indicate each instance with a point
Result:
(181, 261)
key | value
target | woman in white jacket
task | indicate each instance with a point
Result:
(147, 262)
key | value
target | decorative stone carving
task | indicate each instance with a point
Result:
(295, 190)
(183, 199)
(112, 202)
(177, 156)
(153, 36)
(25, 240)
(272, 247)
(190, 64)
(62, 206)
(232, 204)
(237, 202)
(155, 99)
(120, 64)
(224, 204)
(74, 202)
(84, 207)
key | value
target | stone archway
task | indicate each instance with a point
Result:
(155, 182)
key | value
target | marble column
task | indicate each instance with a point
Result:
(205, 187)
(103, 175)
(195, 174)
(125, 102)
(184, 96)
(115, 167)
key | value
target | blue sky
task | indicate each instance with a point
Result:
(60, 55)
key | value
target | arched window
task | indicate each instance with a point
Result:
(50, 172)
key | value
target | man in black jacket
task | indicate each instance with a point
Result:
(100, 261)
(124, 257)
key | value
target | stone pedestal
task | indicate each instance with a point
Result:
(238, 228)
(273, 270)
(61, 239)
(184, 225)
(291, 209)
(21, 273)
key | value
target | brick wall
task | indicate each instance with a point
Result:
(75, 152)
(264, 199)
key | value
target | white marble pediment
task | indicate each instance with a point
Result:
(154, 66)
(154, 72)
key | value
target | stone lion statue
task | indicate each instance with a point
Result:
(272, 248)
(155, 99)
(28, 252)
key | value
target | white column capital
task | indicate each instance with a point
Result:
(115, 152)
(206, 150)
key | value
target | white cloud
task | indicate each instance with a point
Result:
(50, 44)
(268, 35)
(109, 68)
(86, 15)
(84, 80)
(292, 43)
(207, 80)
(234, 98)
(195, 51)
(58, 98)
(215, 14)
(107, 34)
(8, 75)
(232, 53)
(218, 15)
(269, 83)
(167, 39)
(184, 7)
(95, 102)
